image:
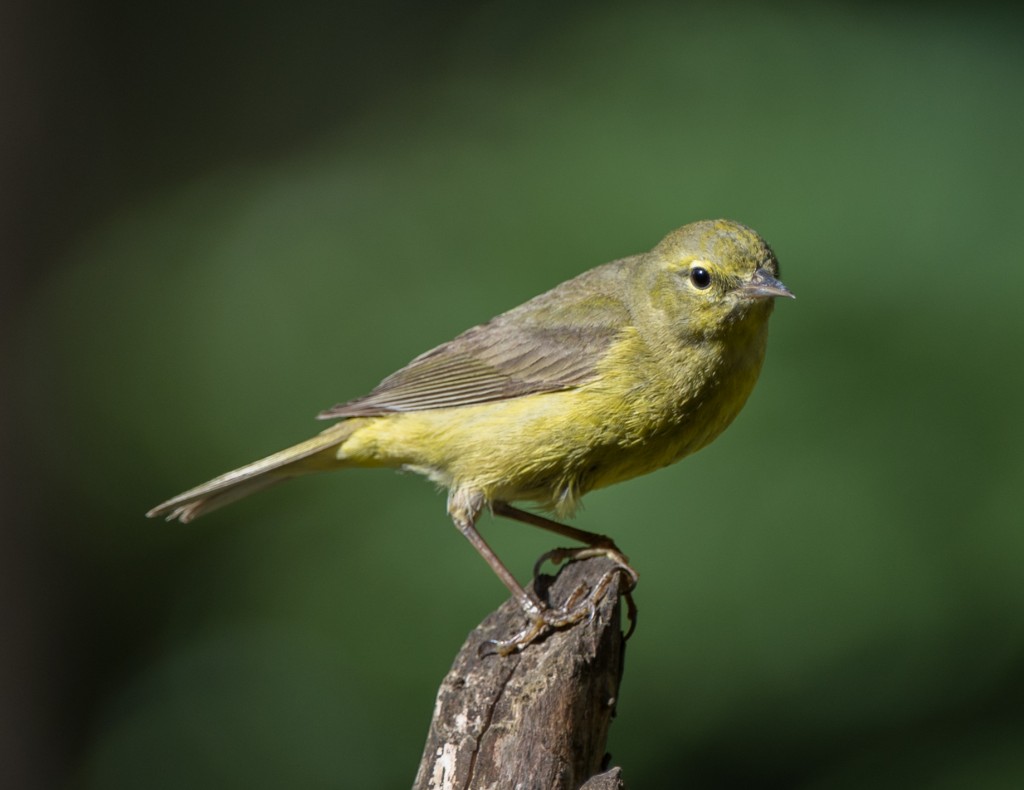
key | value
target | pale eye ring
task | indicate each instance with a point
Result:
(700, 277)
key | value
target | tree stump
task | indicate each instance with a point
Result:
(538, 718)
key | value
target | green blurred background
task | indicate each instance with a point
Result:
(220, 218)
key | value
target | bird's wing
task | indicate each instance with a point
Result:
(553, 342)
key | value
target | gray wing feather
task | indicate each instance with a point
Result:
(552, 342)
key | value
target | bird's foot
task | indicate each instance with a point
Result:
(580, 605)
(612, 552)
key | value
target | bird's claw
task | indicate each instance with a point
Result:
(560, 555)
(580, 605)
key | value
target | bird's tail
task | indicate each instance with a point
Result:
(312, 455)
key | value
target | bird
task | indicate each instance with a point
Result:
(622, 370)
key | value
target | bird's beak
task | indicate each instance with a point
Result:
(763, 285)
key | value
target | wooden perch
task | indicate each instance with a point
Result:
(534, 719)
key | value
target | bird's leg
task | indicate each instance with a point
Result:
(579, 605)
(464, 507)
(597, 545)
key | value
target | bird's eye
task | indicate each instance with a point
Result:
(700, 277)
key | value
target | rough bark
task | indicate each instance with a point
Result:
(538, 718)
